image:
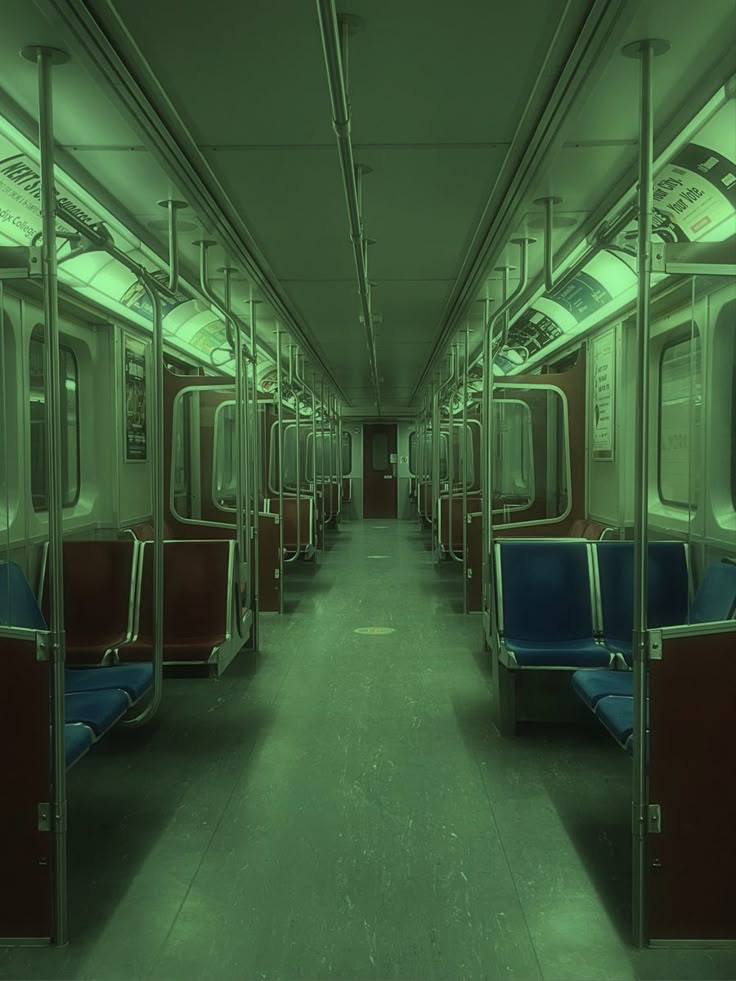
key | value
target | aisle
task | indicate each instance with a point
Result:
(344, 808)
(359, 842)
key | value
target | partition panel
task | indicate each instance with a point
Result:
(692, 756)
(25, 785)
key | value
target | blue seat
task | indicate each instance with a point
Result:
(668, 589)
(592, 686)
(18, 606)
(134, 679)
(716, 596)
(77, 740)
(99, 710)
(545, 605)
(616, 712)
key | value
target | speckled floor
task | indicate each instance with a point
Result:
(344, 808)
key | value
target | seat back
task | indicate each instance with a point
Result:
(98, 590)
(306, 528)
(197, 592)
(18, 606)
(594, 531)
(544, 590)
(668, 586)
(715, 598)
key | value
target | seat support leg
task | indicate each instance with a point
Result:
(505, 699)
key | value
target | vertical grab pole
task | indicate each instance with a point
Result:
(239, 436)
(280, 430)
(314, 444)
(255, 482)
(295, 390)
(465, 470)
(451, 466)
(436, 459)
(157, 500)
(644, 50)
(333, 466)
(338, 444)
(45, 58)
(486, 494)
(323, 460)
(450, 460)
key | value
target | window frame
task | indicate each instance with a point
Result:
(67, 356)
(677, 337)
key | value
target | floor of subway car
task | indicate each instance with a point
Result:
(344, 808)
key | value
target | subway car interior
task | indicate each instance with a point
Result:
(368, 489)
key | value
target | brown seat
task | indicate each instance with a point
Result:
(197, 601)
(98, 597)
(577, 528)
(144, 531)
(306, 530)
(595, 531)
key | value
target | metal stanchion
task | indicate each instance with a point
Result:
(644, 51)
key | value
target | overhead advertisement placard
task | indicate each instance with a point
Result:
(695, 196)
(20, 197)
(134, 390)
(604, 396)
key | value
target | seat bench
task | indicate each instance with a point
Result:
(95, 698)
(609, 694)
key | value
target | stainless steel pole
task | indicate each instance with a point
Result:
(314, 443)
(644, 50)
(293, 389)
(45, 58)
(157, 501)
(254, 506)
(239, 435)
(465, 469)
(451, 456)
(322, 462)
(280, 431)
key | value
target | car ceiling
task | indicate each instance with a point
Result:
(438, 95)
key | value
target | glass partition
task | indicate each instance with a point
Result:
(326, 456)
(225, 477)
(462, 454)
(290, 456)
(531, 473)
(70, 471)
(425, 451)
(203, 457)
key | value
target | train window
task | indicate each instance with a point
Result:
(70, 475)
(679, 421)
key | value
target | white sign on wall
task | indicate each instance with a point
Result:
(604, 396)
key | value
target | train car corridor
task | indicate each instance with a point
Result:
(339, 806)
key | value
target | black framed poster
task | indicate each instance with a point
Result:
(134, 389)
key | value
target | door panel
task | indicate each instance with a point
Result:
(380, 498)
